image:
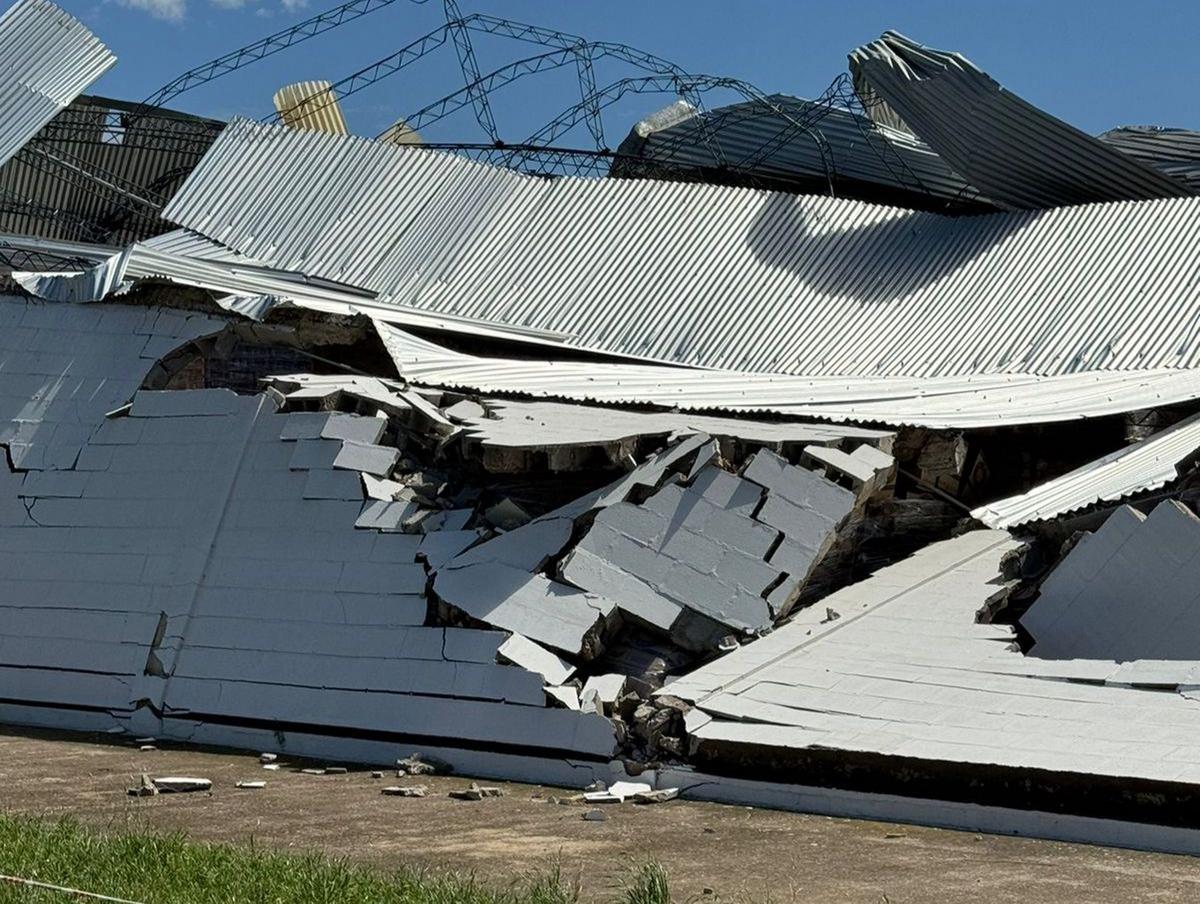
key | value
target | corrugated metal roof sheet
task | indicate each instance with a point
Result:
(192, 260)
(949, 402)
(855, 150)
(1146, 465)
(1175, 152)
(709, 275)
(49, 58)
(1017, 155)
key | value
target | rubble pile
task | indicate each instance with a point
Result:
(879, 503)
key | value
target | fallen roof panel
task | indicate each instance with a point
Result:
(1017, 155)
(1145, 465)
(841, 148)
(709, 275)
(1175, 152)
(949, 402)
(903, 668)
(49, 59)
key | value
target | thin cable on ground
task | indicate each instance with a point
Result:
(79, 893)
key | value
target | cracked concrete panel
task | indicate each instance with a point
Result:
(906, 669)
(685, 550)
(189, 550)
(1128, 591)
(333, 425)
(67, 365)
(500, 724)
(366, 458)
(548, 612)
(799, 486)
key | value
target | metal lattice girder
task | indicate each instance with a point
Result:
(506, 74)
(470, 69)
(265, 47)
(371, 74)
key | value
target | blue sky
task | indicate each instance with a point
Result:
(1095, 64)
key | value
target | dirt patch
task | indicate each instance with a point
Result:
(739, 853)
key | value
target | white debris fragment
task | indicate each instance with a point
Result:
(178, 784)
(250, 786)
(617, 792)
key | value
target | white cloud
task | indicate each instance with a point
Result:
(229, 4)
(171, 10)
(292, 6)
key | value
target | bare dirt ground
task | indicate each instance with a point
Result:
(711, 851)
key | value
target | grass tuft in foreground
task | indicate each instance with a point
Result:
(167, 869)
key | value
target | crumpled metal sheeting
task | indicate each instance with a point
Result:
(1017, 155)
(1175, 152)
(858, 149)
(1142, 466)
(190, 259)
(96, 283)
(49, 58)
(507, 424)
(945, 402)
(709, 275)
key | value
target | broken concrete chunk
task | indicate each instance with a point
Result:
(404, 791)
(523, 652)
(476, 792)
(369, 459)
(267, 757)
(566, 694)
(385, 515)
(250, 786)
(657, 796)
(144, 788)
(561, 617)
(606, 687)
(382, 487)
(594, 816)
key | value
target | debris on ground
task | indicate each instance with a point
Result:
(178, 784)
(889, 512)
(476, 792)
(404, 790)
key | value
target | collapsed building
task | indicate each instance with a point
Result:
(871, 497)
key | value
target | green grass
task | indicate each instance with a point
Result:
(168, 869)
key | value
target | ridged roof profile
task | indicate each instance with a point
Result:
(712, 276)
(1017, 155)
(49, 58)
